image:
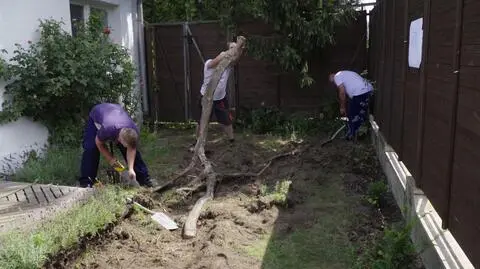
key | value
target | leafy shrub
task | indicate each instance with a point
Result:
(376, 193)
(268, 120)
(393, 250)
(58, 79)
(279, 193)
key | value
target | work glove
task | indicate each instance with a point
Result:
(117, 165)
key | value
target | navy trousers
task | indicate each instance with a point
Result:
(91, 158)
(357, 113)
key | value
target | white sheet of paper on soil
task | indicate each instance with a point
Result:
(415, 44)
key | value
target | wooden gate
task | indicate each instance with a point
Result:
(175, 59)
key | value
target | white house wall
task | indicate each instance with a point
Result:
(123, 19)
(129, 39)
(19, 20)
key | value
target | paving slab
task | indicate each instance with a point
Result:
(24, 204)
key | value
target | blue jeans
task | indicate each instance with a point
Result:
(357, 113)
(91, 158)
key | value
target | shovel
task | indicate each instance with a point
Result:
(160, 218)
(345, 120)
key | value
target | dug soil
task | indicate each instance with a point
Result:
(250, 224)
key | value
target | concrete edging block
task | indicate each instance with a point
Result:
(437, 247)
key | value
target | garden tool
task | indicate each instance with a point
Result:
(124, 178)
(345, 121)
(118, 173)
(160, 218)
(113, 172)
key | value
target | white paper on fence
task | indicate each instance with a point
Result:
(415, 43)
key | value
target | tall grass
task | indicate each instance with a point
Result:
(59, 165)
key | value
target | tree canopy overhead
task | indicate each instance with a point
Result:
(300, 26)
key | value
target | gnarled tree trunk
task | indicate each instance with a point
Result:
(190, 227)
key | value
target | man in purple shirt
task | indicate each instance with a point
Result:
(110, 122)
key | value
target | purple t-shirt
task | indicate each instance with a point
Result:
(109, 120)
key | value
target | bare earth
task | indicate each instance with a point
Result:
(320, 225)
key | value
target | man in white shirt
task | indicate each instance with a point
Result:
(220, 98)
(358, 91)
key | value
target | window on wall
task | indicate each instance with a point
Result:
(102, 13)
(76, 17)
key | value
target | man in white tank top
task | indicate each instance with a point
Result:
(358, 91)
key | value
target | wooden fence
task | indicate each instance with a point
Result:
(175, 55)
(431, 115)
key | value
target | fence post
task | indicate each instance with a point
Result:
(381, 75)
(151, 74)
(404, 78)
(186, 70)
(232, 81)
(453, 117)
(423, 91)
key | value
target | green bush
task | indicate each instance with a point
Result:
(376, 193)
(268, 120)
(59, 78)
(393, 250)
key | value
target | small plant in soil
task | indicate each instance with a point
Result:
(376, 193)
(279, 193)
(392, 250)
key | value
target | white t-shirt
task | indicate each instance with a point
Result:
(354, 84)
(221, 90)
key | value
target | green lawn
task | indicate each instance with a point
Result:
(322, 245)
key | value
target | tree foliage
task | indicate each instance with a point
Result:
(301, 27)
(59, 78)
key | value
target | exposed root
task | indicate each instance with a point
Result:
(265, 167)
(170, 183)
(198, 185)
(190, 228)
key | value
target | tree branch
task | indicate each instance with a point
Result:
(232, 55)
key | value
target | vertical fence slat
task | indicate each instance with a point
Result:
(391, 77)
(186, 66)
(423, 91)
(404, 78)
(149, 76)
(453, 117)
(382, 65)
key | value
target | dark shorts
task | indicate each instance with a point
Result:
(221, 109)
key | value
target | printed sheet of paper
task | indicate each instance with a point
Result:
(415, 43)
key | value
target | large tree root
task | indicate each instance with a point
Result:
(190, 227)
(175, 178)
(198, 184)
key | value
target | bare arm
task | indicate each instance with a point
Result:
(342, 97)
(213, 63)
(103, 150)
(131, 152)
(240, 53)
